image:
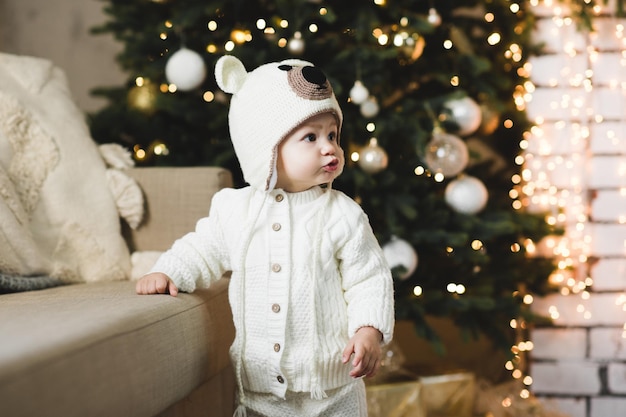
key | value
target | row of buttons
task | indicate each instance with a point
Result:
(276, 268)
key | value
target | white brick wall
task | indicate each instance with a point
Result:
(579, 363)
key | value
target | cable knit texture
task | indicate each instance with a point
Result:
(353, 289)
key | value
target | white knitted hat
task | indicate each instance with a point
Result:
(268, 104)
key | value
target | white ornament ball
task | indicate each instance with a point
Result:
(399, 252)
(373, 158)
(466, 195)
(465, 113)
(446, 154)
(359, 93)
(296, 44)
(369, 108)
(185, 69)
(434, 18)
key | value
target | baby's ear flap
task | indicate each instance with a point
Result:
(230, 74)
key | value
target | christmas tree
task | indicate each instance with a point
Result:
(433, 100)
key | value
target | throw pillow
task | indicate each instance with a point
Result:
(58, 217)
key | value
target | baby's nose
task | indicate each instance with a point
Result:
(328, 148)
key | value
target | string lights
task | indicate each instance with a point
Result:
(558, 150)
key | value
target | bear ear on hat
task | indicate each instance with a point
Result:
(230, 74)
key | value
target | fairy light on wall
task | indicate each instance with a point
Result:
(556, 157)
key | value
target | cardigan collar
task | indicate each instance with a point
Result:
(299, 198)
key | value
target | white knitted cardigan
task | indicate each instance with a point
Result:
(310, 255)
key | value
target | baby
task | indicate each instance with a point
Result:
(311, 293)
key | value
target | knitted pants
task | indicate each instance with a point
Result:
(346, 401)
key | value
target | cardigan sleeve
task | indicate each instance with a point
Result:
(200, 257)
(366, 281)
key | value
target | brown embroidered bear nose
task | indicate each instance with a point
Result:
(308, 82)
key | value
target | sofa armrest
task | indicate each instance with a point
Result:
(175, 199)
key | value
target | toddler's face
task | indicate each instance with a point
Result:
(310, 155)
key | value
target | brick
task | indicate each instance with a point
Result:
(607, 407)
(609, 274)
(608, 240)
(566, 377)
(604, 38)
(572, 407)
(607, 69)
(616, 378)
(608, 102)
(603, 309)
(607, 172)
(574, 206)
(608, 137)
(606, 7)
(564, 172)
(549, 342)
(554, 104)
(549, 70)
(609, 206)
(554, 37)
(556, 139)
(607, 343)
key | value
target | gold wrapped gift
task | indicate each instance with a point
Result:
(449, 395)
(398, 399)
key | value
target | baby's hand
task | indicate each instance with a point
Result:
(156, 283)
(365, 344)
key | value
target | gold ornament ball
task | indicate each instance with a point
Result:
(413, 47)
(143, 97)
(373, 158)
(446, 154)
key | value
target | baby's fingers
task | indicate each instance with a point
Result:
(160, 286)
(173, 289)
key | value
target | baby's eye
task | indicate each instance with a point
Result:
(310, 138)
(332, 136)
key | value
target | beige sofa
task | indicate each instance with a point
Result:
(99, 349)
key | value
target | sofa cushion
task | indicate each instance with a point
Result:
(100, 349)
(57, 215)
(168, 190)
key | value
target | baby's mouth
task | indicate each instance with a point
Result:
(332, 165)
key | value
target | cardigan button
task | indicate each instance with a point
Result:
(275, 308)
(276, 227)
(280, 379)
(276, 347)
(276, 267)
(279, 197)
